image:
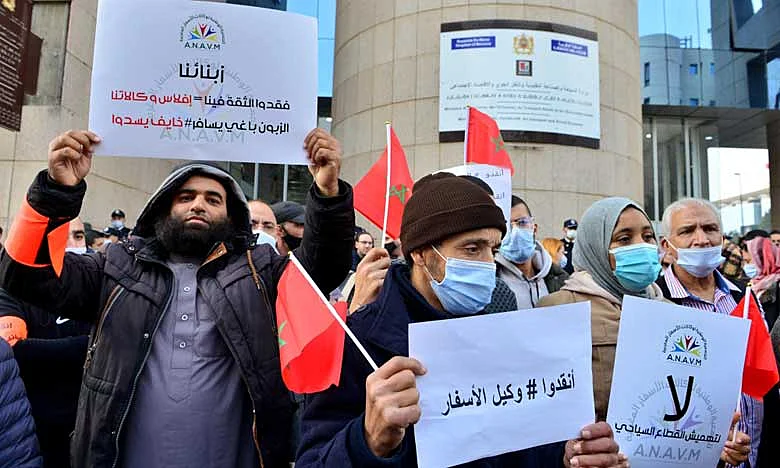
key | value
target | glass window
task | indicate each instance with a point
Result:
(647, 73)
(693, 69)
(693, 101)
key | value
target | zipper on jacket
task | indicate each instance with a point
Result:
(112, 298)
(143, 364)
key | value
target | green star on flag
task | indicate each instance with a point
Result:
(499, 143)
(281, 327)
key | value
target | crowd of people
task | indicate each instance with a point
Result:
(158, 345)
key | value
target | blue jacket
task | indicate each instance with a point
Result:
(18, 445)
(332, 426)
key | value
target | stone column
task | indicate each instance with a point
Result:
(387, 68)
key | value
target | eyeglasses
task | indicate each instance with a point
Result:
(524, 222)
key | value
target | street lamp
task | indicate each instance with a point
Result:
(741, 211)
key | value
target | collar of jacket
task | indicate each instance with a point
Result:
(386, 321)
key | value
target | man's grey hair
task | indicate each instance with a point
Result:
(666, 220)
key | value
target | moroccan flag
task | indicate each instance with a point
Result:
(484, 144)
(760, 373)
(370, 191)
(311, 341)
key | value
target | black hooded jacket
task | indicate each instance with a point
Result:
(125, 291)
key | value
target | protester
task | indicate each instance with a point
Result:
(765, 274)
(50, 350)
(693, 236)
(363, 243)
(615, 255)
(555, 248)
(1, 237)
(774, 236)
(263, 222)
(368, 278)
(183, 368)
(569, 235)
(733, 267)
(523, 264)
(18, 446)
(290, 218)
(449, 230)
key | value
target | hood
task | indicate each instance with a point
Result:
(581, 282)
(542, 262)
(161, 199)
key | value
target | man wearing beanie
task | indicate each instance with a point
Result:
(449, 231)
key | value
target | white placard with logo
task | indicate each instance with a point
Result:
(532, 78)
(675, 384)
(500, 383)
(499, 179)
(203, 80)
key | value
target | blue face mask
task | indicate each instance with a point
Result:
(518, 246)
(564, 262)
(467, 286)
(636, 265)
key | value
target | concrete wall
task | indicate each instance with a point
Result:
(386, 68)
(62, 103)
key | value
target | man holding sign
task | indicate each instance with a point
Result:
(449, 231)
(183, 365)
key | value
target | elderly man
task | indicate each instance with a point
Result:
(449, 231)
(694, 239)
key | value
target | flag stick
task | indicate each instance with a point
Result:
(745, 315)
(466, 138)
(333, 312)
(387, 188)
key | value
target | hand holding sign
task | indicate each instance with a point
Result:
(324, 154)
(392, 404)
(595, 447)
(736, 451)
(70, 156)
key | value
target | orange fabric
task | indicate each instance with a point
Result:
(13, 329)
(58, 239)
(26, 235)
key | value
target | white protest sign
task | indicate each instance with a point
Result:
(502, 382)
(203, 80)
(499, 179)
(675, 383)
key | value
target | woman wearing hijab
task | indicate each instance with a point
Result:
(615, 255)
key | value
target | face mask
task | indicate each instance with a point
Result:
(636, 266)
(263, 237)
(518, 246)
(571, 234)
(467, 286)
(700, 262)
(751, 270)
(292, 241)
(76, 250)
(564, 262)
(117, 224)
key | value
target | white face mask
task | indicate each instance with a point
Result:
(76, 250)
(699, 261)
(265, 238)
(751, 270)
(571, 234)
